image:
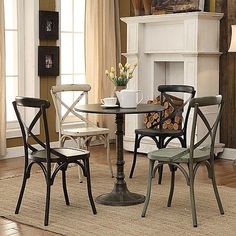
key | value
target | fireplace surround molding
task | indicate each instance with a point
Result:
(178, 48)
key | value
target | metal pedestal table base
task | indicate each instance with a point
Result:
(120, 196)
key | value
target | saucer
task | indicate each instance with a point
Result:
(109, 106)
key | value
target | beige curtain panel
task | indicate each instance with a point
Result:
(2, 84)
(102, 46)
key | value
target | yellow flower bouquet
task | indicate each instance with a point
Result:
(126, 73)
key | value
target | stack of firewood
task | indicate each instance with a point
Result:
(171, 122)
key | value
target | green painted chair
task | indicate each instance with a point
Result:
(198, 153)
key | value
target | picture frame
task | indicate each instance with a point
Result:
(176, 6)
(48, 25)
(48, 60)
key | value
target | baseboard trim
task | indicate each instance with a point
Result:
(228, 154)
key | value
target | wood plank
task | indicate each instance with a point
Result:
(227, 74)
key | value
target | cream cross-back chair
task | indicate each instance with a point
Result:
(80, 135)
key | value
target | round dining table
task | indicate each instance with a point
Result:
(120, 195)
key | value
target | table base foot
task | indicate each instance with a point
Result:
(120, 196)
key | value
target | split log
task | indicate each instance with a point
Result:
(165, 125)
(170, 126)
(152, 119)
(156, 116)
(166, 105)
(176, 126)
(178, 119)
(145, 120)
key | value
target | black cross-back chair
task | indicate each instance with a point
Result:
(161, 136)
(199, 152)
(46, 156)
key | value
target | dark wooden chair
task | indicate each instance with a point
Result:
(46, 156)
(161, 136)
(199, 152)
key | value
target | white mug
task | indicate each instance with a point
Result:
(109, 101)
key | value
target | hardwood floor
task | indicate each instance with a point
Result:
(225, 174)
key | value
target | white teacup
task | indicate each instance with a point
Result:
(109, 101)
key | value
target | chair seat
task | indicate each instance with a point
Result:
(85, 131)
(170, 155)
(67, 153)
(158, 132)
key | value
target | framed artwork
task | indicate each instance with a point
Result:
(175, 6)
(48, 25)
(48, 61)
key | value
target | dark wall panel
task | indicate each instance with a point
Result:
(228, 74)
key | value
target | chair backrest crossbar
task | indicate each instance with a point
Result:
(177, 109)
(197, 104)
(56, 92)
(27, 130)
(165, 96)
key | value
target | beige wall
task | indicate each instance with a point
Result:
(47, 82)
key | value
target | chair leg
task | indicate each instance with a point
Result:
(21, 193)
(149, 186)
(65, 188)
(183, 142)
(80, 173)
(108, 155)
(61, 145)
(160, 172)
(135, 155)
(160, 168)
(192, 197)
(86, 162)
(216, 192)
(47, 203)
(172, 185)
(155, 170)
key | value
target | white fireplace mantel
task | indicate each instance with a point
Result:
(171, 49)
